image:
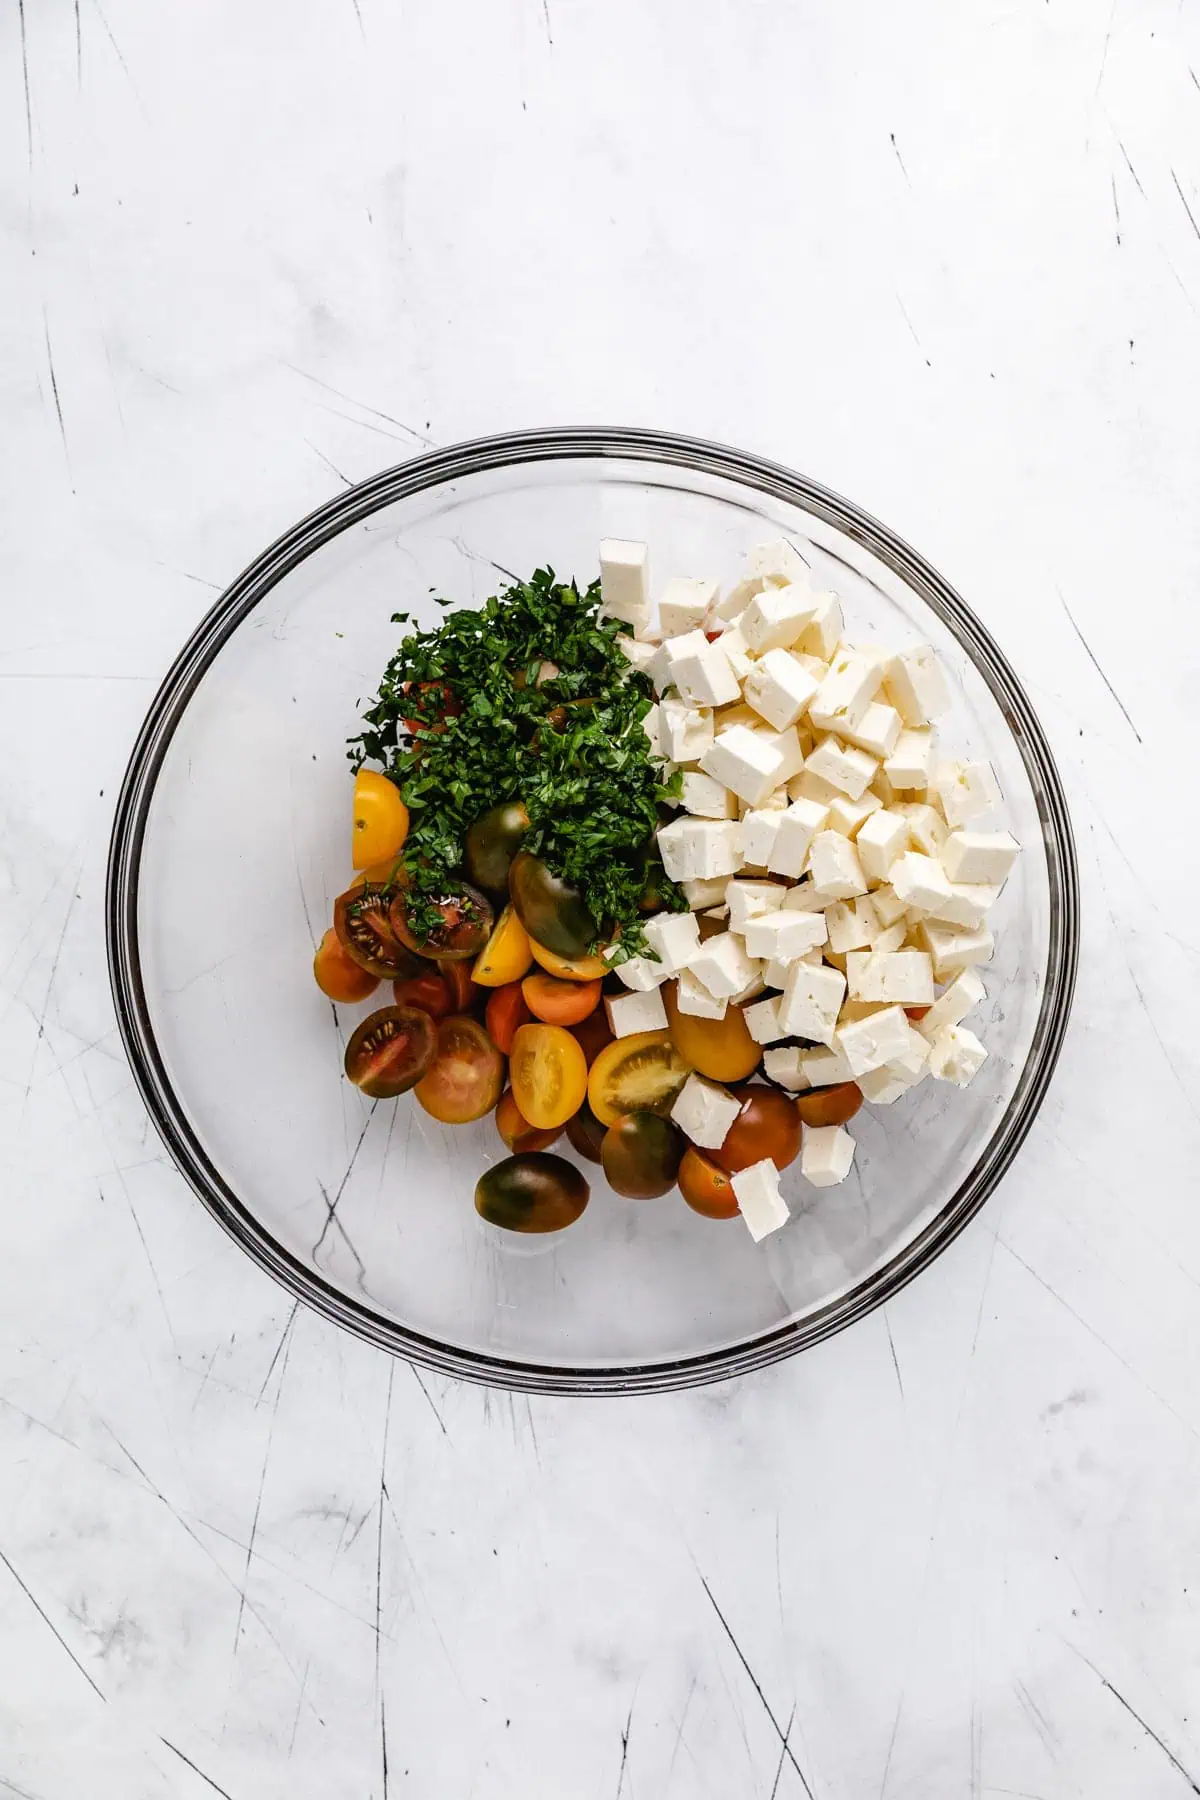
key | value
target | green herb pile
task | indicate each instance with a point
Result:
(530, 698)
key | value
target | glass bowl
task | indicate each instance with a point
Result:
(230, 844)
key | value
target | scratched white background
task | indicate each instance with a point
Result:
(943, 257)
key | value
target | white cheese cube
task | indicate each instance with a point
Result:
(834, 866)
(687, 731)
(824, 1068)
(624, 582)
(807, 786)
(881, 1086)
(700, 849)
(871, 1042)
(790, 749)
(919, 881)
(965, 993)
(849, 816)
(913, 1060)
(966, 790)
(734, 645)
(926, 828)
(888, 909)
(762, 1021)
(760, 829)
(652, 726)
(776, 564)
(798, 828)
(685, 605)
(642, 974)
(695, 999)
(628, 1013)
(811, 1001)
(761, 1204)
(827, 1155)
(954, 949)
(704, 1112)
(641, 652)
(876, 732)
(845, 768)
(783, 1065)
(969, 905)
(776, 617)
(956, 1054)
(746, 762)
(806, 897)
(779, 688)
(723, 966)
(701, 670)
(909, 763)
(753, 988)
(775, 971)
(781, 936)
(881, 842)
(675, 937)
(852, 925)
(702, 894)
(980, 856)
(823, 633)
(850, 686)
(904, 977)
(749, 899)
(916, 685)
(892, 937)
(706, 798)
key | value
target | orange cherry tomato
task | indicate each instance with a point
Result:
(458, 978)
(768, 1125)
(640, 1073)
(594, 1033)
(706, 1188)
(549, 1074)
(380, 820)
(464, 1080)
(506, 1013)
(442, 704)
(722, 1049)
(337, 975)
(569, 968)
(558, 1002)
(428, 990)
(506, 955)
(829, 1105)
(516, 1130)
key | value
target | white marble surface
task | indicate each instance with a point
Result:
(944, 258)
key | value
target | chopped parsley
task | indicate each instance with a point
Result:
(528, 698)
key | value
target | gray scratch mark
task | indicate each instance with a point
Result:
(158, 1288)
(25, 74)
(383, 1743)
(887, 1761)
(10, 1787)
(1116, 207)
(754, 1682)
(51, 1626)
(1104, 678)
(328, 461)
(546, 20)
(1134, 1714)
(1112, 13)
(316, 379)
(1137, 184)
(682, 1722)
(78, 47)
(188, 576)
(363, 33)
(783, 1752)
(262, 1482)
(899, 158)
(384, 1500)
(299, 1709)
(194, 1767)
(1187, 209)
(331, 1206)
(625, 1746)
(120, 58)
(286, 1333)
(916, 340)
(416, 1375)
(891, 1346)
(62, 427)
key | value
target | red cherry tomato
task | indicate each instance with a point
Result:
(429, 991)
(768, 1125)
(506, 1013)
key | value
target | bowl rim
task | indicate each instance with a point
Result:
(239, 599)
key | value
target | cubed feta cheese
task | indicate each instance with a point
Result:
(699, 849)
(798, 827)
(675, 937)
(904, 977)
(909, 763)
(811, 1000)
(723, 965)
(759, 1199)
(775, 972)
(734, 645)
(886, 1084)
(687, 731)
(653, 728)
(823, 633)
(706, 798)
(700, 670)
(966, 790)
(760, 829)
(881, 842)
(919, 881)
(700, 895)
(806, 896)
(628, 1013)
(845, 768)
(745, 761)
(790, 748)
(704, 1111)
(969, 905)
(781, 936)
(824, 1068)
(642, 974)
(762, 1021)
(779, 688)
(749, 899)
(892, 937)
(685, 605)
(776, 617)
(852, 924)
(783, 1065)
(807, 786)
(953, 948)
(695, 999)
(965, 993)
(871, 1042)
(848, 689)
(834, 866)
(917, 686)
(876, 732)
(827, 1155)
(926, 827)
(888, 909)
(956, 1054)
(980, 856)
(624, 582)
(849, 816)
(641, 652)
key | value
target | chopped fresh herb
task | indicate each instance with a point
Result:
(528, 698)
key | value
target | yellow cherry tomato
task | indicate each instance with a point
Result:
(640, 1073)
(380, 819)
(549, 1075)
(569, 968)
(722, 1049)
(507, 954)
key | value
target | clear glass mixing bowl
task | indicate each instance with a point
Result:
(230, 844)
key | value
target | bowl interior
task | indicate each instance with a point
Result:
(368, 1205)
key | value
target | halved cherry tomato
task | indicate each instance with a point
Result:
(493, 841)
(442, 704)
(535, 1192)
(585, 1133)
(466, 1075)
(829, 1105)
(552, 911)
(768, 1125)
(558, 1002)
(362, 920)
(464, 924)
(722, 1049)
(506, 1013)
(641, 1073)
(916, 1012)
(458, 978)
(641, 1154)
(390, 1051)
(706, 1188)
(569, 968)
(380, 820)
(428, 990)
(506, 955)
(516, 1130)
(593, 1033)
(337, 974)
(549, 1074)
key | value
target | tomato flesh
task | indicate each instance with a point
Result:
(390, 1051)
(640, 1073)
(507, 953)
(337, 974)
(767, 1126)
(464, 924)
(464, 1079)
(363, 923)
(707, 1188)
(506, 1013)
(549, 1074)
(428, 990)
